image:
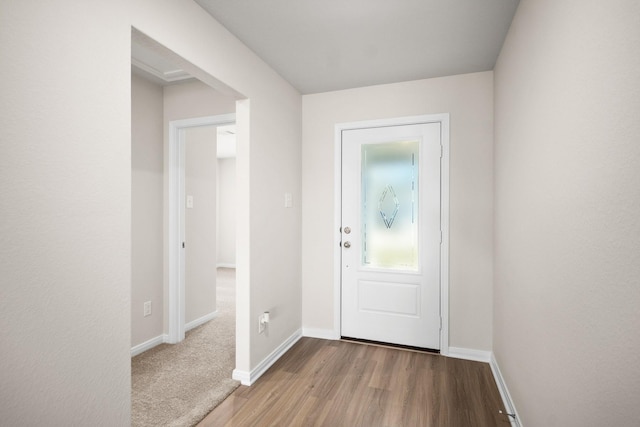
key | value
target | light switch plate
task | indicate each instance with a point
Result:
(147, 308)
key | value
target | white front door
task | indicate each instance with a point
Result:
(391, 234)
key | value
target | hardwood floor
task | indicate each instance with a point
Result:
(338, 383)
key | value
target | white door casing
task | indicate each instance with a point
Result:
(406, 303)
(176, 294)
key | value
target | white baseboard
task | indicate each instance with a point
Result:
(504, 392)
(200, 321)
(325, 334)
(248, 378)
(225, 265)
(470, 354)
(148, 345)
(160, 339)
(243, 376)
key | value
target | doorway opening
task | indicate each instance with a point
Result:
(180, 204)
(153, 326)
(177, 92)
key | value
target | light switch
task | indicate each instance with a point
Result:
(189, 202)
(288, 200)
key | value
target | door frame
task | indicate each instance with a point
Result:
(176, 178)
(443, 119)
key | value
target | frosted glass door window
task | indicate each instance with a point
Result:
(389, 209)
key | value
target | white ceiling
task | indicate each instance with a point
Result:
(324, 45)
(320, 46)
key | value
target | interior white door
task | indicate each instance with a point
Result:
(391, 234)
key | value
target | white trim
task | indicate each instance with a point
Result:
(176, 258)
(165, 76)
(201, 321)
(470, 354)
(337, 235)
(176, 217)
(248, 378)
(323, 334)
(225, 265)
(504, 392)
(149, 344)
(444, 228)
(443, 119)
(243, 376)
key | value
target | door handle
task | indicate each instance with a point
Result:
(347, 244)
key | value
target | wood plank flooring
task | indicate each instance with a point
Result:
(338, 383)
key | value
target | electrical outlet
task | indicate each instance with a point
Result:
(263, 319)
(147, 308)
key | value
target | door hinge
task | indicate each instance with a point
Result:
(441, 237)
(182, 245)
(441, 151)
(440, 322)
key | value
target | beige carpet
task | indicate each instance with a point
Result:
(178, 385)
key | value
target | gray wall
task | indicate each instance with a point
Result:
(65, 204)
(567, 209)
(227, 212)
(146, 209)
(200, 222)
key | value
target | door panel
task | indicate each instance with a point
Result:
(389, 298)
(391, 234)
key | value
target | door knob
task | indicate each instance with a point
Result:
(347, 230)
(347, 244)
